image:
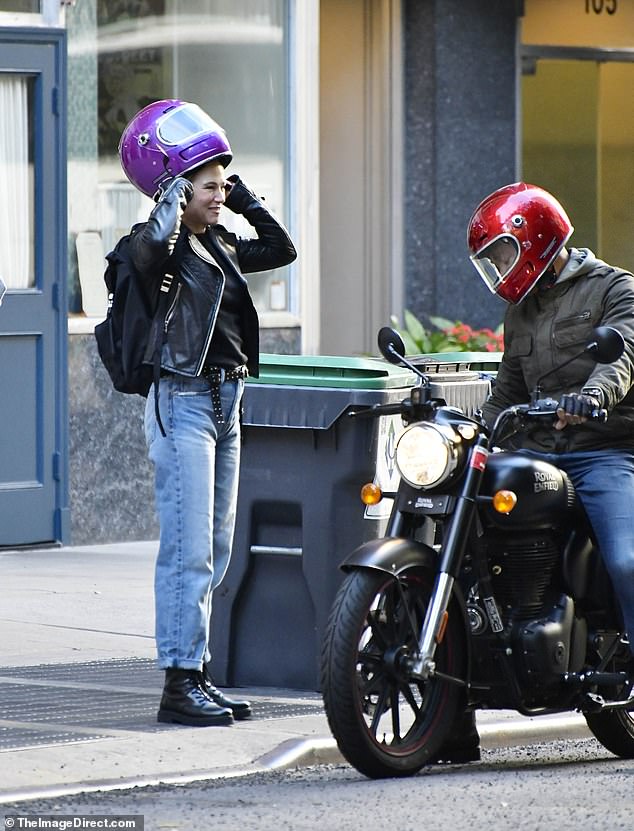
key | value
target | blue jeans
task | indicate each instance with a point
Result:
(604, 481)
(196, 469)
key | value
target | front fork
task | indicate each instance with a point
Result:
(451, 555)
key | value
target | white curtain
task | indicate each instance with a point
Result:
(16, 196)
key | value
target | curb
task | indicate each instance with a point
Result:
(533, 730)
(493, 735)
(296, 753)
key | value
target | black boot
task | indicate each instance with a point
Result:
(184, 701)
(463, 743)
(240, 709)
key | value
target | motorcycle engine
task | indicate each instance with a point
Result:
(549, 646)
(521, 571)
(524, 553)
(546, 637)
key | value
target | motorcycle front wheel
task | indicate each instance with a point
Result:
(386, 723)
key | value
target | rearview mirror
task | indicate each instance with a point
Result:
(607, 346)
(391, 345)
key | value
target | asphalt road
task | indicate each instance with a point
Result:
(568, 786)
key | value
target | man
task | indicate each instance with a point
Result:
(517, 237)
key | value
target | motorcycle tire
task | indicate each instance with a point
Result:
(615, 730)
(386, 723)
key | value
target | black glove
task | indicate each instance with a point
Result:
(152, 245)
(239, 198)
(579, 404)
(177, 188)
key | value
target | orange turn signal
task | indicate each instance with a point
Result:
(371, 494)
(504, 501)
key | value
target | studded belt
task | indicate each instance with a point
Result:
(216, 376)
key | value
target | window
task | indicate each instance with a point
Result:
(20, 6)
(16, 173)
(229, 56)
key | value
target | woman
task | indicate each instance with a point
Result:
(175, 152)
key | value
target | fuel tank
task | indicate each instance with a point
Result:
(545, 494)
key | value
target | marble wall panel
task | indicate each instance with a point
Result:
(460, 67)
(111, 479)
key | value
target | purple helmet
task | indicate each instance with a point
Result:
(167, 139)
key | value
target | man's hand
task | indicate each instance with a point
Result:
(575, 408)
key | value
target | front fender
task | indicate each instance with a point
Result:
(392, 555)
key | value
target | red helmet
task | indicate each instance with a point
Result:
(514, 236)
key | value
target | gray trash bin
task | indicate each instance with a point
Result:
(304, 461)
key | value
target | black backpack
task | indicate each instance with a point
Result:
(130, 339)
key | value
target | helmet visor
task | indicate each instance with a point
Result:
(184, 123)
(496, 260)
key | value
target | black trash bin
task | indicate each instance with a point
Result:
(299, 512)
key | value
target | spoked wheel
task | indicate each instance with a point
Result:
(386, 723)
(615, 728)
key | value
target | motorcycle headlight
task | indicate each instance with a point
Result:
(427, 454)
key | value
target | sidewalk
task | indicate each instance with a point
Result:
(79, 688)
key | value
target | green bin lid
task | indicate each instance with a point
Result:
(331, 371)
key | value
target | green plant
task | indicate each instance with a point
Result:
(447, 336)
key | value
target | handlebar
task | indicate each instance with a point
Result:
(377, 410)
(544, 409)
(416, 407)
(547, 408)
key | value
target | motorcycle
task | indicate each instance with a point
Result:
(487, 591)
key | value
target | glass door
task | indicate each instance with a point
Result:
(578, 143)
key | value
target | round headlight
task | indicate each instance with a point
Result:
(426, 455)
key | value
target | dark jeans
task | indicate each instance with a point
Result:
(604, 481)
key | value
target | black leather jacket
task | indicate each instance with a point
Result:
(161, 245)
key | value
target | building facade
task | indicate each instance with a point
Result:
(372, 127)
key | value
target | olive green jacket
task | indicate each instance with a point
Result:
(553, 324)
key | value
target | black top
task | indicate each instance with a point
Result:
(227, 343)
